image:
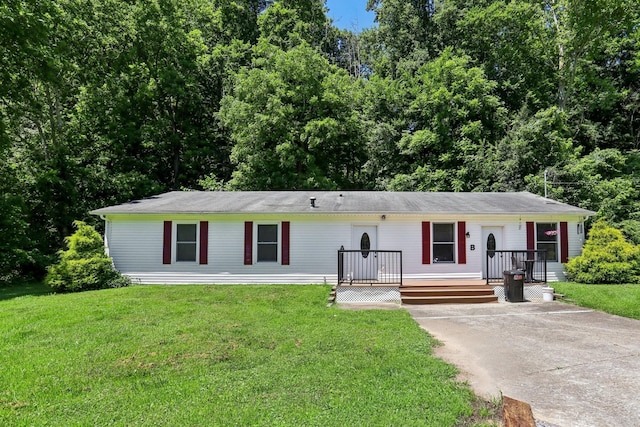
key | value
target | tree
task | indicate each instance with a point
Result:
(347, 52)
(293, 122)
(406, 37)
(385, 102)
(578, 28)
(39, 81)
(110, 101)
(535, 49)
(104, 101)
(605, 181)
(533, 144)
(18, 254)
(287, 23)
(161, 95)
(607, 96)
(455, 122)
(508, 40)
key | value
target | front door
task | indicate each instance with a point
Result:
(365, 265)
(491, 242)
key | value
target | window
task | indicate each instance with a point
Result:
(365, 245)
(491, 245)
(267, 243)
(443, 243)
(547, 239)
(186, 242)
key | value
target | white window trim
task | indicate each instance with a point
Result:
(278, 225)
(455, 242)
(174, 242)
(557, 260)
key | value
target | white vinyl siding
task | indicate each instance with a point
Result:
(136, 244)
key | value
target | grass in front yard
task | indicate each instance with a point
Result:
(622, 300)
(218, 355)
(20, 289)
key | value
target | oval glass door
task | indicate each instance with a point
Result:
(365, 245)
(491, 245)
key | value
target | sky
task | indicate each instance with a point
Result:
(350, 14)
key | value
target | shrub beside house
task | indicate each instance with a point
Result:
(84, 265)
(606, 258)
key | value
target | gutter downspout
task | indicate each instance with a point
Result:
(107, 232)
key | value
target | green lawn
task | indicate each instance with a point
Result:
(218, 355)
(623, 300)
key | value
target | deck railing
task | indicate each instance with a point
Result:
(532, 262)
(372, 267)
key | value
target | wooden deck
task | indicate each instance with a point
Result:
(445, 291)
(413, 282)
(443, 282)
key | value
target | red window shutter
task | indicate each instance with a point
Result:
(166, 243)
(285, 242)
(248, 243)
(204, 242)
(531, 236)
(564, 242)
(462, 242)
(426, 242)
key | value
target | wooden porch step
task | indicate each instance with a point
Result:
(444, 283)
(332, 296)
(439, 292)
(447, 292)
(449, 299)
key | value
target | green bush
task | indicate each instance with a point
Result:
(606, 258)
(631, 230)
(84, 265)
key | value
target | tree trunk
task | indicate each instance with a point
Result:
(562, 84)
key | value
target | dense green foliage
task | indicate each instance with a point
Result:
(607, 257)
(15, 256)
(84, 265)
(621, 300)
(293, 122)
(104, 101)
(219, 356)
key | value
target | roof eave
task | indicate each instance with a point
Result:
(577, 213)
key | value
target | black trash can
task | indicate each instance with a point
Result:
(514, 285)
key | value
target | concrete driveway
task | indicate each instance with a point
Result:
(575, 366)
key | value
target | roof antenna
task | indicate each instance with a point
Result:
(313, 201)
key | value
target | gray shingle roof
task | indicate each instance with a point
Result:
(197, 202)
